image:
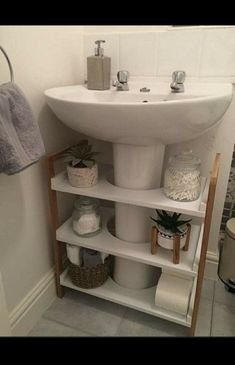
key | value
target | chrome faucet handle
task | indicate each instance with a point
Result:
(123, 76)
(178, 77)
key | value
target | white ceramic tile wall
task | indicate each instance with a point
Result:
(218, 56)
(179, 50)
(137, 53)
(200, 51)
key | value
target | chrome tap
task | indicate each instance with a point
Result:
(177, 85)
(122, 81)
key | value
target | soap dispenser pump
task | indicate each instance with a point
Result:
(98, 69)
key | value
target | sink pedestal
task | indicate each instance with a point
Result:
(137, 168)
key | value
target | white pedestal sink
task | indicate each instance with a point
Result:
(139, 125)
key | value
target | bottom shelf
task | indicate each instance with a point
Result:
(142, 300)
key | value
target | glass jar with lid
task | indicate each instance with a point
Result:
(182, 180)
(86, 217)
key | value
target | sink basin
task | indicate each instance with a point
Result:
(139, 124)
(141, 118)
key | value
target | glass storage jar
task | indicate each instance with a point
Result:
(182, 179)
(86, 217)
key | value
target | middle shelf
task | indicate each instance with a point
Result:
(104, 241)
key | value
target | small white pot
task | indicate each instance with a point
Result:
(166, 239)
(83, 177)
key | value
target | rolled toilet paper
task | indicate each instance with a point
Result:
(103, 256)
(173, 293)
(73, 253)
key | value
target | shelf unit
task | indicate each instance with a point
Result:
(192, 262)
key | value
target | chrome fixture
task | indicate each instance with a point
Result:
(122, 81)
(144, 90)
(9, 63)
(177, 85)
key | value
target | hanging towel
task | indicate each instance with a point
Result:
(21, 144)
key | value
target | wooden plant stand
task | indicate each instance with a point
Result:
(176, 243)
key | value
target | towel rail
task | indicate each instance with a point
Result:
(9, 63)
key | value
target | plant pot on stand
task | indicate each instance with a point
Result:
(171, 234)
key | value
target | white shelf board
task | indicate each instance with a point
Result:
(152, 198)
(142, 300)
(104, 241)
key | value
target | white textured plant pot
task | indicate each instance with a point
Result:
(166, 241)
(82, 177)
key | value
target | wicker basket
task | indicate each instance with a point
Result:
(89, 277)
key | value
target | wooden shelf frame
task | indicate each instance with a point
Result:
(205, 210)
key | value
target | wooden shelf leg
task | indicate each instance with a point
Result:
(205, 238)
(176, 249)
(55, 224)
(154, 233)
(185, 248)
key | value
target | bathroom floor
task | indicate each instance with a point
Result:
(79, 314)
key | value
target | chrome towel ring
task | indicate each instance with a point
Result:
(9, 63)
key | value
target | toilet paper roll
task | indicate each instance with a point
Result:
(173, 293)
(103, 256)
(73, 253)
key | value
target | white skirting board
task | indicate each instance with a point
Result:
(26, 314)
(4, 317)
(212, 260)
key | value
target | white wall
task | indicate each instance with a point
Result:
(42, 57)
(206, 53)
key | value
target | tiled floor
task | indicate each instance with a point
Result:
(79, 314)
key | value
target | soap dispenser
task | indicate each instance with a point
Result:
(98, 69)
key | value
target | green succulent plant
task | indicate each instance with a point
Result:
(80, 155)
(170, 222)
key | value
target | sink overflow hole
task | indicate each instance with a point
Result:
(145, 101)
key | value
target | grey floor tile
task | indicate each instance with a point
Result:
(47, 328)
(87, 313)
(223, 321)
(137, 323)
(222, 296)
(204, 318)
(208, 289)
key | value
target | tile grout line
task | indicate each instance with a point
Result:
(123, 316)
(68, 326)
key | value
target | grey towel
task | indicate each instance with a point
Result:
(21, 144)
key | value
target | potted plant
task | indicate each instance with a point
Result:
(168, 226)
(82, 167)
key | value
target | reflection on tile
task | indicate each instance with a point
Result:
(222, 295)
(87, 313)
(204, 318)
(136, 323)
(223, 322)
(46, 328)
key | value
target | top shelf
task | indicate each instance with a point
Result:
(153, 198)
